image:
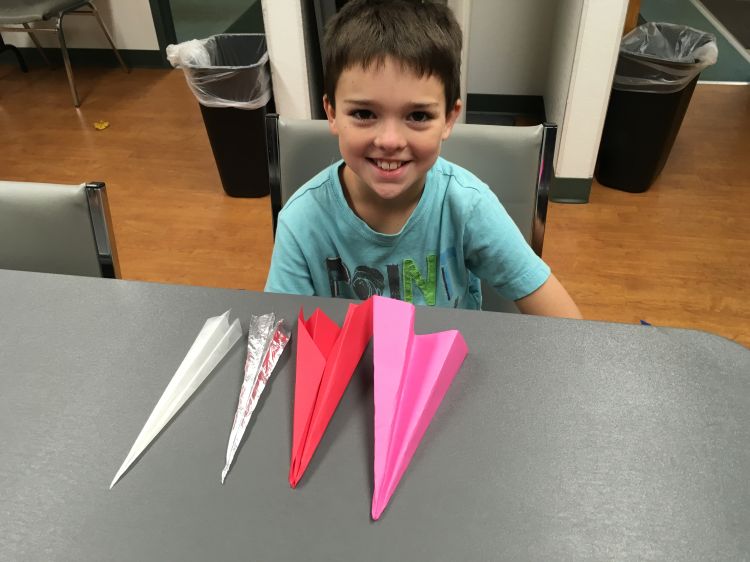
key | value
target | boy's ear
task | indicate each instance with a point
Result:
(330, 114)
(450, 119)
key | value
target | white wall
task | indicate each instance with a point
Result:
(564, 50)
(509, 43)
(462, 10)
(597, 45)
(129, 21)
(563, 45)
(282, 20)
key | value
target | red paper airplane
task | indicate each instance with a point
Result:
(326, 359)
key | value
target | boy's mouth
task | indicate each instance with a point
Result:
(387, 165)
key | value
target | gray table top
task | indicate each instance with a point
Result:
(558, 440)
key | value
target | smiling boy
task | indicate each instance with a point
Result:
(393, 218)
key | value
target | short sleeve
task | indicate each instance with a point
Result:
(496, 251)
(289, 272)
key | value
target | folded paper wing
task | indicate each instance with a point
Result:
(412, 374)
(215, 339)
(266, 341)
(326, 359)
(315, 337)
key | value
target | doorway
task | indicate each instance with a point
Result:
(181, 20)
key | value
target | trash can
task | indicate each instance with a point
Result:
(657, 69)
(229, 75)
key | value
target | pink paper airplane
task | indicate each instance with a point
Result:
(412, 374)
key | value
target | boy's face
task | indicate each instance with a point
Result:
(390, 125)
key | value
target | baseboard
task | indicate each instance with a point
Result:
(89, 57)
(530, 107)
(570, 190)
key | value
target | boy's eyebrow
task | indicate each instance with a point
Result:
(357, 102)
(417, 105)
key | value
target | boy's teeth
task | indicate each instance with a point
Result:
(382, 164)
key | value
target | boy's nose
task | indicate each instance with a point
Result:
(390, 137)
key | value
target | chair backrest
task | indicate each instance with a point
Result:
(55, 228)
(516, 162)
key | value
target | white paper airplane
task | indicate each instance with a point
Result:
(215, 339)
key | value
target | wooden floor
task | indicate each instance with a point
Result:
(677, 255)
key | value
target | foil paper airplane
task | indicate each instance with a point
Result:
(326, 359)
(215, 339)
(411, 374)
(266, 340)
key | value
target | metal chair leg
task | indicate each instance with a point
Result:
(37, 44)
(109, 37)
(66, 60)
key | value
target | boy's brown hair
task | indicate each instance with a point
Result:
(423, 36)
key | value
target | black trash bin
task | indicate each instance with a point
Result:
(657, 69)
(229, 75)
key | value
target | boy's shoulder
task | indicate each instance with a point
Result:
(458, 183)
(314, 200)
(316, 187)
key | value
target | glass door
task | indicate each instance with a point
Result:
(198, 19)
(181, 20)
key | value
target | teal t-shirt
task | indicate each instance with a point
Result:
(458, 234)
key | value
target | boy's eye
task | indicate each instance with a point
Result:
(362, 114)
(420, 116)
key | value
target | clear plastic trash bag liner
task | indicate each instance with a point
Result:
(663, 57)
(225, 70)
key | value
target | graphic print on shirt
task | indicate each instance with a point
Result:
(401, 279)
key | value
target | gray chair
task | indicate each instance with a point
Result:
(516, 162)
(14, 13)
(55, 228)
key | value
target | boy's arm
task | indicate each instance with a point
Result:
(289, 272)
(551, 299)
(499, 254)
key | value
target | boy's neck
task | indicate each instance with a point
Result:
(381, 215)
